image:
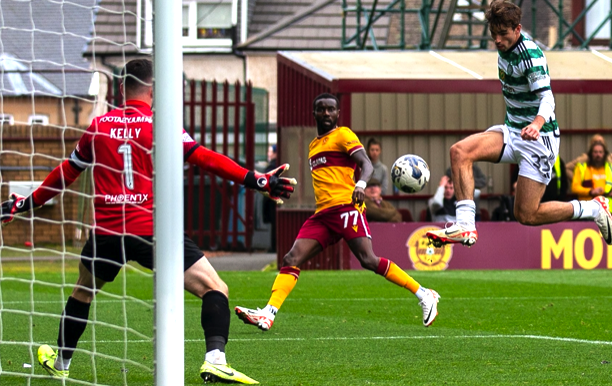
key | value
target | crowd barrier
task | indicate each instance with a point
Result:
(501, 245)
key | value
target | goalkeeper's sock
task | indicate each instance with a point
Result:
(396, 275)
(215, 320)
(216, 357)
(283, 285)
(72, 325)
(62, 364)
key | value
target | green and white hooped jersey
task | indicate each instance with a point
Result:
(522, 72)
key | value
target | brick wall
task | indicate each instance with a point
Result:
(29, 154)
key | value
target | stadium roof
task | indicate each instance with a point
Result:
(443, 71)
(42, 46)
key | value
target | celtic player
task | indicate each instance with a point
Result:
(529, 137)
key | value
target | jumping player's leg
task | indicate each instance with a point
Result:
(487, 146)
(529, 211)
(303, 250)
(362, 249)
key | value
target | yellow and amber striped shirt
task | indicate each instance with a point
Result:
(332, 168)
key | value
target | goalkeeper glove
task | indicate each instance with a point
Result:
(271, 184)
(16, 205)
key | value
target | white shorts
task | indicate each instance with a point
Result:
(535, 159)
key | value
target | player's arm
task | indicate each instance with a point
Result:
(60, 178)
(539, 82)
(269, 184)
(546, 110)
(364, 163)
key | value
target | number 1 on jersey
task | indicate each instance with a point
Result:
(128, 172)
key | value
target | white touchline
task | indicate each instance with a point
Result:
(236, 300)
(332, 338)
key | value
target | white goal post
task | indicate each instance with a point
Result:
(168, 180)
(48, 95)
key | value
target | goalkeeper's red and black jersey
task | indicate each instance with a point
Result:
(118, 148)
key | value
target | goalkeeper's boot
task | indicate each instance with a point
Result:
(47, 358)
(455, 234)
(261, 318)
(224, 374)
(429, 304)
(604, 219)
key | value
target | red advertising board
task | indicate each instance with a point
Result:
(501, 245)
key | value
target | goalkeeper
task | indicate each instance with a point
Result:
(118, 147)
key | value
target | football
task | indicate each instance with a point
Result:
(410, 173)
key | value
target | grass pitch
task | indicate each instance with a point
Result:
(336, 328)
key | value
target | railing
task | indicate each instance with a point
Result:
(222, 118)
(432, 13)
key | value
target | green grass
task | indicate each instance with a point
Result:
(339, 328)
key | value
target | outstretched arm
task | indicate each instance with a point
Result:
(60, 178)
(269, 184)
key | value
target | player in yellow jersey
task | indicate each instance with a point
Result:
(333, 157)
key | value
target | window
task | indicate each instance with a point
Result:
(38, 119)
(209, 23)
(7, 119)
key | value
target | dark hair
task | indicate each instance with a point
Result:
(590, 153)
(325, 96)
(136, 74)
(373, 141)
(502, 14)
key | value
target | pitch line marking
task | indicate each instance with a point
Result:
(340, 338)
(194, 300)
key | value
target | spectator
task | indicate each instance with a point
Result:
(570, 166)
(269, 206)
(594, 177)
(505, 210)
(480, 179)
(381, 172)
(556, 190)
(376, 208)
(442, 204)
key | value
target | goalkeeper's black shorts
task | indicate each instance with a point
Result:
(104, 255)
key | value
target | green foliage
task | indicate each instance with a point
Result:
(341, 328)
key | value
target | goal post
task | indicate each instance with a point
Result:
(168, 185)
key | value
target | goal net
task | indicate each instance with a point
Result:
(53, 81)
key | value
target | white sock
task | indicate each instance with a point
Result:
(466, 214)
(421, 292)
(216, 357)
(273, 310)
(585, 210)
(63, 363)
